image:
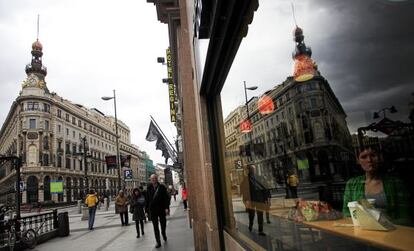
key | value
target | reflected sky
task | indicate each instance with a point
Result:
(363, 48)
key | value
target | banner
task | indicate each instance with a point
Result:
(110, 161)
(56, 186)
(302, 164)
(126, 160)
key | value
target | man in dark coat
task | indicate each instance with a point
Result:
(255, 196)
(158, 207)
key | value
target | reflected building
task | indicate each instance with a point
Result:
(51, 134)
(306, 132)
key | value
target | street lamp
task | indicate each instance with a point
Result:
(392, 109)
(118, 161)
(251, 88)
(85, 155)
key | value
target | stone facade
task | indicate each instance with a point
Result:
(50, 134)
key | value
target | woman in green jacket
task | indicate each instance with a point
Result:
(389, 192)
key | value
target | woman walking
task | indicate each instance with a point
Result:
(184, 196)
(121, 207)
(138, 204)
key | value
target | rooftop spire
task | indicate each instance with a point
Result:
(305, 68)
(35, 71)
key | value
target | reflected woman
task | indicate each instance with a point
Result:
(389, 192)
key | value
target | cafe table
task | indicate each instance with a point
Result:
(402, 238)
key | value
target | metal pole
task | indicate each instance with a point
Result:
(118, 161)
(17, 163)
(85, 166)
(248, 118)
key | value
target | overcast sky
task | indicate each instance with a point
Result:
(90, 48)
(364, 49)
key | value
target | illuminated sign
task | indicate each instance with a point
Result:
(246, 126)
(304, 68)
(171, 88)
(265, 105)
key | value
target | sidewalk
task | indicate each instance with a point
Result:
(110, 235)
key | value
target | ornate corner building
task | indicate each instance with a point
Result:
(53, 137)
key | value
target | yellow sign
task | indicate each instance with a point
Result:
(171, 87)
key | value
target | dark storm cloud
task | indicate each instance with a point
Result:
(368, 56)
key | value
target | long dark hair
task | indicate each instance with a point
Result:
(136, 190)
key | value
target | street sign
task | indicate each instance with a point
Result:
(128, 174)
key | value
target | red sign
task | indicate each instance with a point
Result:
(246, 126)
(304, 68)
(265, 105)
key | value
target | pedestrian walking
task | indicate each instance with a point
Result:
(158, 207)
(184, 196)
(137, 208)
(91, 201)
(293, 182)
(255, 196)
(144, 193)
(175, 194)
(121, 207)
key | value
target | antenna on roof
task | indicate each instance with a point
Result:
(38, 17)
(293, 13)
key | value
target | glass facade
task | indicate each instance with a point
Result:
(306, 132)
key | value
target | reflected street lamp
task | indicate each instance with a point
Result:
(118, 161)
(391, 109)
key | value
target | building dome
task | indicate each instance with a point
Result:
(37, 46)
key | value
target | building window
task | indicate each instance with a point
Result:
(67, 148)
(59, 113)
(79, 123)
(46, 124)
(74, 120)
(59, 161)
(68, 162)
(59, 128)
(32, 106)
(32, 123)
(67, 117)
(45, 143)
(46, 107)
(314, 103)
(45, 159)
(67, 132)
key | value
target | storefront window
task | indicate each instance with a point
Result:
(317, 129)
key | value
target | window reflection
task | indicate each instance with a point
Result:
(299, 134)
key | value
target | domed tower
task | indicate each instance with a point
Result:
(305, 68)
(35, 71)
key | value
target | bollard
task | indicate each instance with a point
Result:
(79, 206)
(106, 204)
(85, 213)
